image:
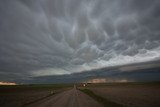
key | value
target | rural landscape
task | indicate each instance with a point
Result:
(79, 53)
(78, 95)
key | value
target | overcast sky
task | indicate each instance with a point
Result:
(55, 37)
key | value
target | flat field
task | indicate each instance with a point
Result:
(92, 95)
(129, 94)
(23, 95)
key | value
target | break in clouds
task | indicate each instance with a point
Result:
(54, 37)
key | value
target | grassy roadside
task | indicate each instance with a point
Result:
(102, 100)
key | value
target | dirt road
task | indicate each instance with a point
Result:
(70, 98)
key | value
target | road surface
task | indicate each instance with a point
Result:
(70, 98)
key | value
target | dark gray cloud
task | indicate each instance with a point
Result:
(141, 72)
(55, 37)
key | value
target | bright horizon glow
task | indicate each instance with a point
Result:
(104, 80)
(7, 83)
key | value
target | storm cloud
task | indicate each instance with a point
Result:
(61, 37)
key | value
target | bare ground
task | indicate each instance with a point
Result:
(131, 96)
(14, 97)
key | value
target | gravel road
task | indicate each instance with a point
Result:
(70, 98)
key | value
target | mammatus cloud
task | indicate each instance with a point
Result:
(55, 37)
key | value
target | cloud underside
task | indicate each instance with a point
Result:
(56, 37)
